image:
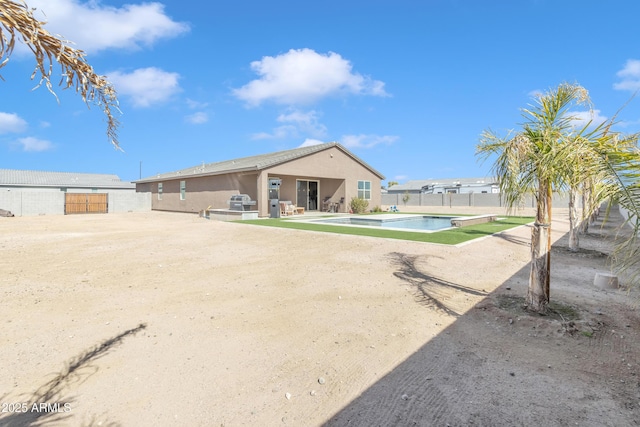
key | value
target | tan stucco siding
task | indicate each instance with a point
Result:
(330, 163)
(338, 175)
(202, 192)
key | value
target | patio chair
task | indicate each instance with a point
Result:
(326, 204)
(287, 208)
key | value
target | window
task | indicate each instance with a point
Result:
(183, 190)
(364, 190)
(159, 191)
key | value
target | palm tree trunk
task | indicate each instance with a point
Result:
(595, 214)
(574, 239)
(539, 278)
(586, 209)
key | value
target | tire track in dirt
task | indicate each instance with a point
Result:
(425, 390)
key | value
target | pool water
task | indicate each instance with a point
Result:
(412, 222)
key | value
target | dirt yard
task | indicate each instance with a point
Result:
(161, 319)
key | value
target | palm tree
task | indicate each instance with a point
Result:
(592, 182)
(534, 161)
(620, 166)
(18, 22)
(593, 170)
(590, 207)
(582, 177)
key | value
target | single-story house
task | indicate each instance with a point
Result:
(315, 178)
(28, 192)
(447, 186)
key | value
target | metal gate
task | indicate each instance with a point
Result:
(82, 203)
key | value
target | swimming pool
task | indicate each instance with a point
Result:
(393, 222)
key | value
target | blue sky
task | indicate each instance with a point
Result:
(408, 86)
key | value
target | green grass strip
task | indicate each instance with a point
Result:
(446, 237)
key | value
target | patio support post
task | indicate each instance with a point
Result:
(263, 193)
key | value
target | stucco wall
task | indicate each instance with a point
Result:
(201, 192)
(337, 172)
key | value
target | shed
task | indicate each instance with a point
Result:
(28, 192)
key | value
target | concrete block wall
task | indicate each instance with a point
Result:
(28, 203)
(129, 202)
(43, 202)
(465, 199)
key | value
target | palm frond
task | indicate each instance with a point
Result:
(17, 22)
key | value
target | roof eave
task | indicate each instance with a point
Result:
(193, 175)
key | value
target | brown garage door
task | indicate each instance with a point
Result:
(82, 203)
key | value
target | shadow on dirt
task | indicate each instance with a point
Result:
(513, 239)
(581, 252)
(429, 290)
(499, 365)
(49, 404)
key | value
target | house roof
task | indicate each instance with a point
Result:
(253, 163)
(417, 185)
(28, 178)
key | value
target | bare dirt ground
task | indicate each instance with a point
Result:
(161, 319)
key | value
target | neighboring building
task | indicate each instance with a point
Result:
(62, 181)
(26, 192)
(447, 186)
(312, 178)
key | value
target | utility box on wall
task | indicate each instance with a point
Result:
(274, 197)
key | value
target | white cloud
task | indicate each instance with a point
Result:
(309, 142)
(197, 118)
(628, 123)
(630, 76)
(304, 76)
(146, 86)
(298, 116)
(194, 105)
(367, 141)
(583, 117)
(296, 123)
(281, 132)
(34, 144)
(307, 122)
(11, 123)
(536, 93)
(92, 26)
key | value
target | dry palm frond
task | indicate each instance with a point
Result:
(623, 167)
(18, 22)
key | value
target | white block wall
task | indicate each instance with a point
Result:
(51, 202)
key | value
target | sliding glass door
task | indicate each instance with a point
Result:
(307, 194)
